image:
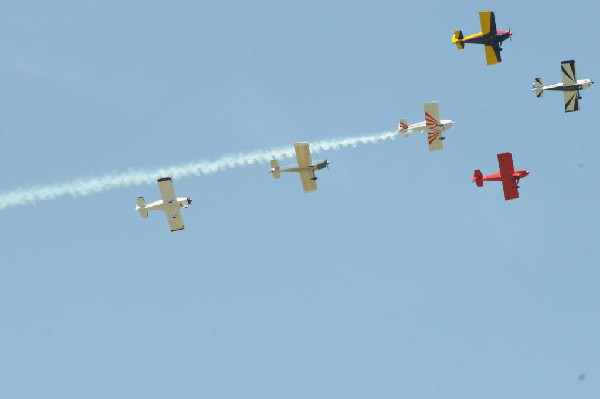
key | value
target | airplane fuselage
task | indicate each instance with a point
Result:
(445, 124)
(315, 166)
(488, 40)
(581, 85)
(161, 206)
(518, 174)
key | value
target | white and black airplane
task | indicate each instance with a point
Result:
(570, 86)
(169, 204)
(305, 167)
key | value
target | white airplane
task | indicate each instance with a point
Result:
(432, 124)
(169, 204)
(570, 86)
(305, 167)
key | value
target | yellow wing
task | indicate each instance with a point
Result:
(492, 54)
(308, 184)
(302, 155)
(488, 22)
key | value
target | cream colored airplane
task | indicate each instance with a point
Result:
(432, 124)
(169, 204)
(305, 167)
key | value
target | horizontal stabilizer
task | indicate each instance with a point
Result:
(141, 207)
(403, 128)
(478, 178)
(275, 170)
(538, 87)
(457, 38)
(403, 124)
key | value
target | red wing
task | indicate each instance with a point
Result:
(507, 168)
(510, 189)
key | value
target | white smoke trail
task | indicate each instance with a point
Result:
(83, 187)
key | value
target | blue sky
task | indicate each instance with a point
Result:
(398, 278)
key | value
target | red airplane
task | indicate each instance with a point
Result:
(508, 176)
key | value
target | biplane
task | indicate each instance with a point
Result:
(169, 204)
(305, 167)
(570, 86)
(433, 125)
(508, 176)
(489, 36)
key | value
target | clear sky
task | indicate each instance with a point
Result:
(398, 278)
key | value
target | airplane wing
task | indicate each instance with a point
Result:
(432, 119)
(302, 155)
(167, 193)
(505, 162)
(174, 218)
(488, 22)
(571, 100)
(511, 191)
(433, 137)
(432, 114)
(492, 54)
(308, 184)
(304, 160)
(569, 77)
(507, 169)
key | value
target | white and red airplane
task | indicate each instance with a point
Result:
(433, 125)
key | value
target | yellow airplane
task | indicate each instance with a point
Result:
(489, 36)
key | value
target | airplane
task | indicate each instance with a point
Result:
(432, 124)
(169, 203)
(508, 176)
(489, 36)
(570, 86)
(305, 167)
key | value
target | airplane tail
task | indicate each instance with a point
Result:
(538, 87)
(478, 178)
(457, 38)
(403, 127)
(141, 204)
(275, 169)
